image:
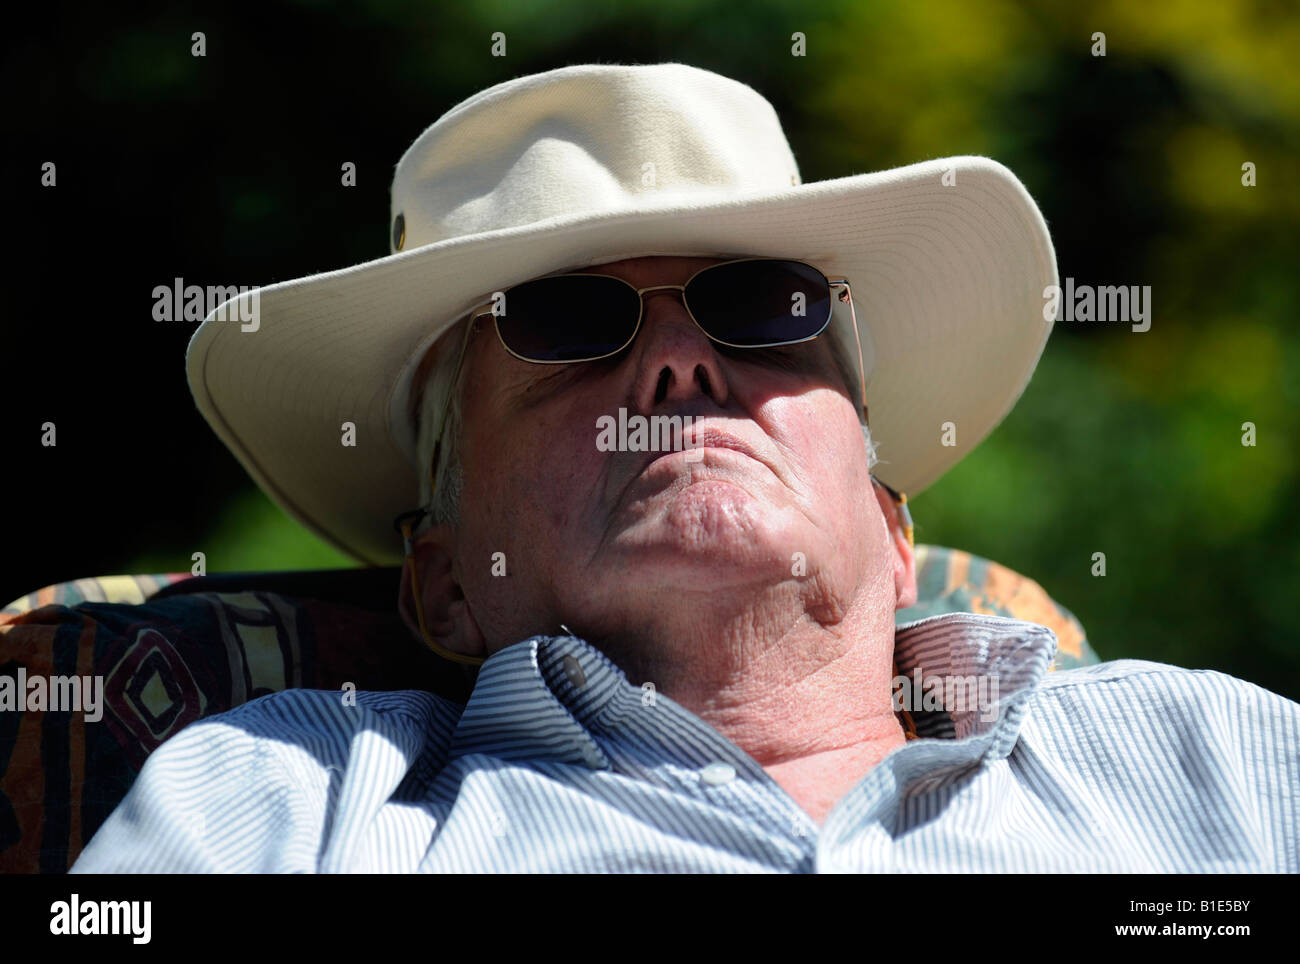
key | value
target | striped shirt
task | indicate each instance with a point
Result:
(559, 763)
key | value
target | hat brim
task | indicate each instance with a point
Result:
(947, 282)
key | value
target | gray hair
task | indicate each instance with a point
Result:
(430, 394)
(428, 398)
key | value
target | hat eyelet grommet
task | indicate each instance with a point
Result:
(399, 231)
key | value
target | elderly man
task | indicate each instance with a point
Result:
(684, 657)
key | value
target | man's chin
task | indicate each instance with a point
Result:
(706, 537)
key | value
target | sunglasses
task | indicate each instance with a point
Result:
(746, 303)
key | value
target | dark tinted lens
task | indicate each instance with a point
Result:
(751, 303)
(568, 318)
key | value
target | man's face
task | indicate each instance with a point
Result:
(774, 498)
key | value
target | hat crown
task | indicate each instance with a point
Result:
(591, 139)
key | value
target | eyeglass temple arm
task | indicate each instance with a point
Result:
(846, 295)
(900, 498)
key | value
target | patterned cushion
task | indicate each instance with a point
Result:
(172, 649)
(949, 580)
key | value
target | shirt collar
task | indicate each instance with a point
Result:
(999, 661)
(554, 697)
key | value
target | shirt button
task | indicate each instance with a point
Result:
(573, 669)
(716, 774)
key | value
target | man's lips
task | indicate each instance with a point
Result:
(708, 439)
(697, 439)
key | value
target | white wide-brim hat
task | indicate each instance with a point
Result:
(947, 260)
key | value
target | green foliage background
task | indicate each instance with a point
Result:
(1124, 443)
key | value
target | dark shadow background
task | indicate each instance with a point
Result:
(226, 170)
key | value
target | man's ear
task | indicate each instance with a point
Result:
(904, 557)
(447, 615)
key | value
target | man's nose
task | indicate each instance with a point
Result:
(674, 358)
